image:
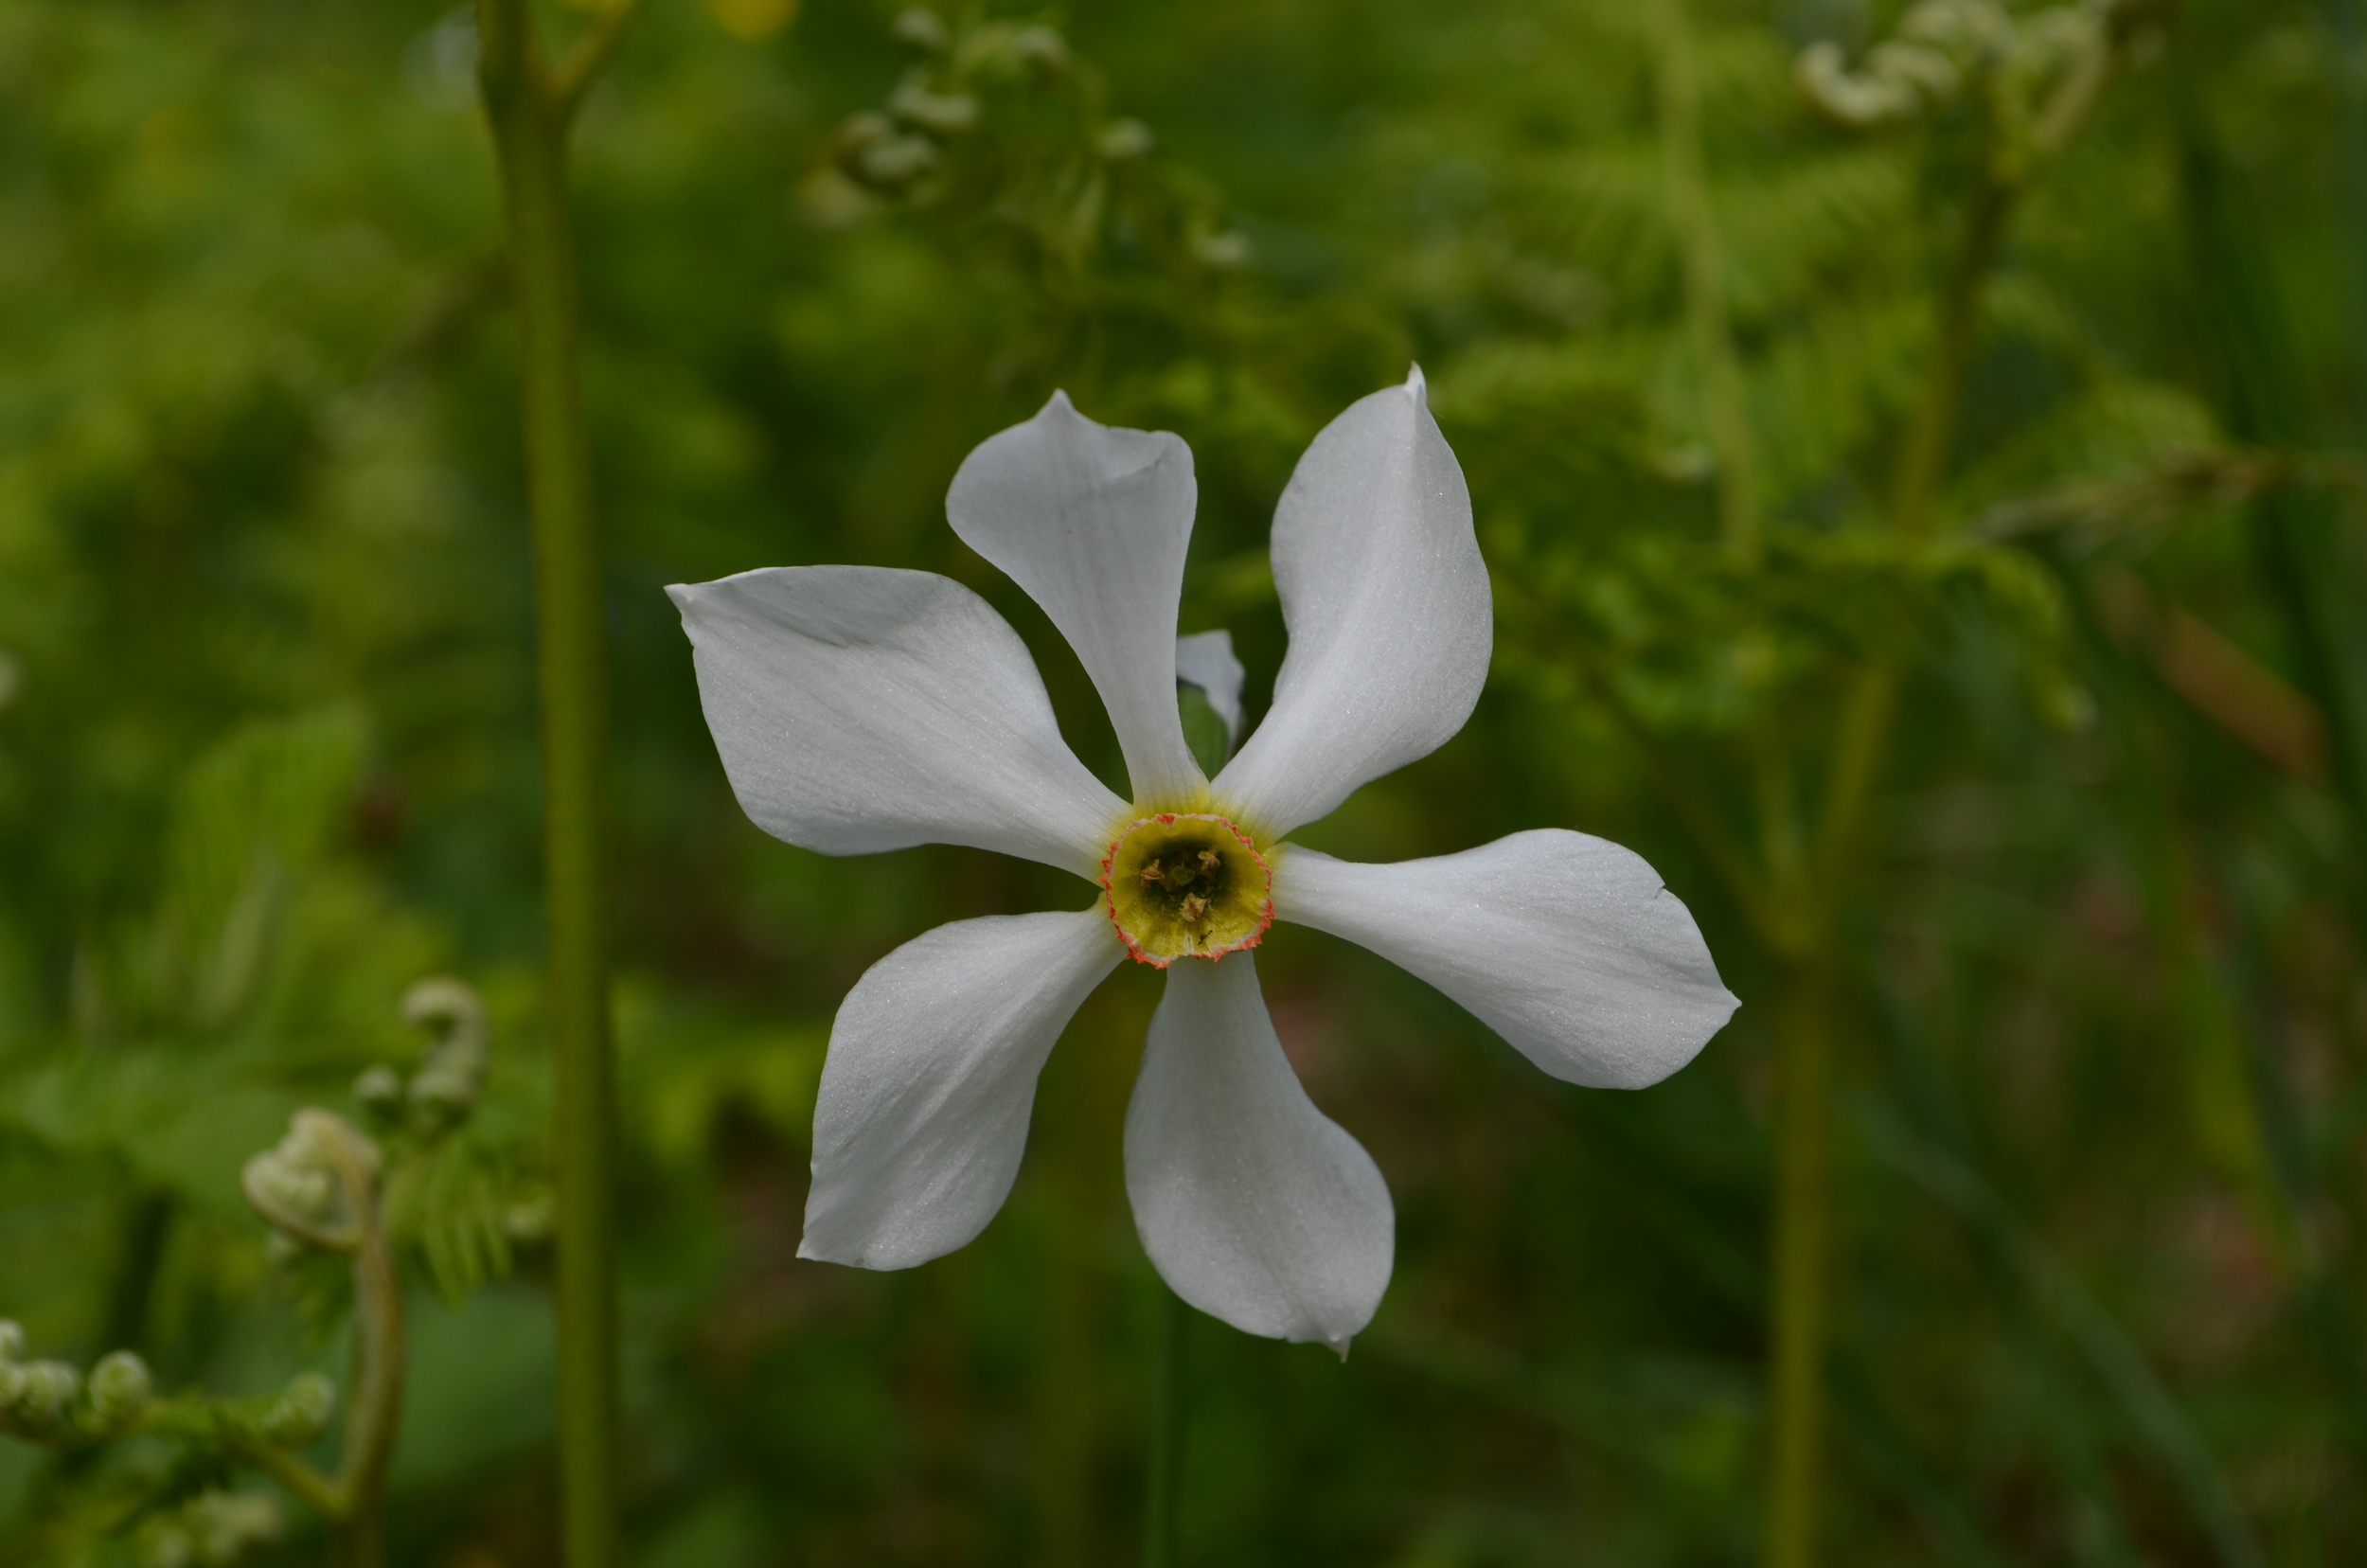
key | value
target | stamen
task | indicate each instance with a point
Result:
(1186, 885)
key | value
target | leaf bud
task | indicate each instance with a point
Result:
(442, 1096)
(859, 131)
(379, 1090)
(1227, 251)
(11, 1341)
(119, 1389)
(946, 113)
(227, 1525)
(872, 152)
(898, 162)
(46, 1389)
(296, 1182)
(1124, 140)
(1917, 66)
(447, 1007)
(1859, 100)
(1039, 49)
(530, 1218)
(214, 1529)
(284, 1184)
(317, 1137)
(297, 1415)
(921, 31)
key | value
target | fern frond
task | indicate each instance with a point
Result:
(2115, 424)
(1789, 230)
(1822, 390)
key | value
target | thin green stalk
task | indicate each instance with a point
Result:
(1802, 1027)
(2152, 1413)
(1081, 1176)
(2249, 342)
(1803, 1013)
(2349, 24)
(1802, 1024)
(2306, 1207)
(353, 1502)
(1923, 457)
(1859, 751)
(1169, 1418)
(374, 1414)
(530, 107)
(1725, 411)
(2248, 339)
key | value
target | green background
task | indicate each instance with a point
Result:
(267, 755)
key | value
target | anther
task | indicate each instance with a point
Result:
(1186, 885)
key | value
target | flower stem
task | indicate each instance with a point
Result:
(1803, 1030)
(1724, 406)
(1923, 457)
(530, 108)
(1169, 1416)
(1803, 1014)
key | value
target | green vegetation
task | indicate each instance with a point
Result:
(1917, 449)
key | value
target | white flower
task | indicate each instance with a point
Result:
(858, 708)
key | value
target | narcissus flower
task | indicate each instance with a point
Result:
(860, 709)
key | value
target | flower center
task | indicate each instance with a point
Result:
(1186, 885)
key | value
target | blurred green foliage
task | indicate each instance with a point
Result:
(267, 753)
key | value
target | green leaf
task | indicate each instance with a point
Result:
(1205, 729)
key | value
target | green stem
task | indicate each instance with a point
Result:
(1924, 456)
(1802, 1024)
(2249, 342)
(2350, 33)
(1725, 410)
(1859, 751)
(353, 1502)
(576, 74)
(530, 108)
(300, 1480)
(1169, 1418)
(1803, 1012)
(381, 1353)
(2152, 1412)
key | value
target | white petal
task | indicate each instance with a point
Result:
(1093, 523)
(1567, 946)
(1387, 603)
(1207, 661)
(930, 1075)
(858, 708)
(1254, 1206)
